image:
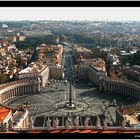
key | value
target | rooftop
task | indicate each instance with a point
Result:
(82, 49)
(33, 67)
(132, 119)
(136, 66)
(3, 113)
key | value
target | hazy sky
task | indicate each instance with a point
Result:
(70, 13)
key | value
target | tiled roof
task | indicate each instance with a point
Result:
(3, 113)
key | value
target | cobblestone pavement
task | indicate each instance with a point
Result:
(41, 104)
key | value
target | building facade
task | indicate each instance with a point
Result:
(88, 72)
(35, 70)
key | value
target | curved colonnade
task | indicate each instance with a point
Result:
(18, 88)
(22, 87)
(120, 87)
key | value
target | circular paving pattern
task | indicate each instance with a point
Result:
(79, 106)
(53, 100)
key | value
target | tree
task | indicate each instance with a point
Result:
(132, 59)
(3, 78)
(62, 38)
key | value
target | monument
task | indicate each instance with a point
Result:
(69, 104)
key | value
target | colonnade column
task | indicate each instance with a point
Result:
(8, 94)
(3, 96)
(14, 92)
(28, 90)
(22, 90)
(25, 89)
(17, 91)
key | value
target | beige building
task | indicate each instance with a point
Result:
(55, 72)
(81, 54)
(2, 50)
(128, 116)
(50, 54)
(35, 70)
(91, 70)
(87, 65)
(94, 74)
(22, 38)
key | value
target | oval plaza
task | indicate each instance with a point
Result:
(32, 81)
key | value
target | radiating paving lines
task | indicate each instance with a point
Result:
(44, 98)
(94, 97)
(48, 96)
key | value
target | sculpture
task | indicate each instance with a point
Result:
(31, 123)
(3, 127)
(98, 122)
(114, 102)
(124, 123)
(10, 124)
(105, 123)
(69, 122)
(56, 122)
(86, 122)
(48, 123)
(76, 121)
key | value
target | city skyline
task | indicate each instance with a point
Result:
(69, 76)
(70, 13)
